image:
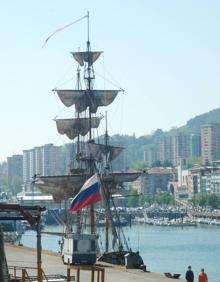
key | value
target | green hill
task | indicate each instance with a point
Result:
(193, 125)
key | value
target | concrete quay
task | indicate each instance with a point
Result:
(52, 264)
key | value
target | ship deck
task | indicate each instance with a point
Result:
(52, 265)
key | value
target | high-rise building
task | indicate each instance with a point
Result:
(14, 168)
(174, 147)
(166, 149)
(210, 142)
(26, 166)
(45, 160)
(38, 160)
(195, 145)
(150, 156)
(180, 147)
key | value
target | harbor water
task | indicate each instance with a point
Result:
(163, 248)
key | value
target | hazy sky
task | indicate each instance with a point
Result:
(165, 54)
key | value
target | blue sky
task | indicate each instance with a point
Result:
(165, 54)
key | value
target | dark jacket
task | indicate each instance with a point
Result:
(189, 276)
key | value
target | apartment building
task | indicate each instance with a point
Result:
(45, 160)
(210, 143)
(200, 179)
(14, 168)
(195, 145)
(174, 147)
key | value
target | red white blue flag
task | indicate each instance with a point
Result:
(88, 194)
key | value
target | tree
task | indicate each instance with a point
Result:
(133, 198)
(213, 201)
(167, 164)
(165, 198)
(205, 200)
(200, 199)
(156, 164)
(194, 160)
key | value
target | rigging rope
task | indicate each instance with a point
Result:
(105, 79)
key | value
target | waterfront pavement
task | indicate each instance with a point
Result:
(52, 264)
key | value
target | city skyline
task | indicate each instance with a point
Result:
(165, 56)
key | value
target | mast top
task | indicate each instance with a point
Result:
(88, 42)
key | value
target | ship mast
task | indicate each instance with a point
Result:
(106, 170)
(78, 86)
(89, 77)
(78, 156)
(86, 101)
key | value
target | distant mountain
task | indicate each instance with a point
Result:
(194, 124)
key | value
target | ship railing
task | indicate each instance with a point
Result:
(19, 273)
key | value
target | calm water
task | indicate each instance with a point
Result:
(164, 249)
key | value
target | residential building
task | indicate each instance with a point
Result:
(38, 160)
(166, 149)
(180, 147)
(14, 169)
(156, 179)
(173, 147)
(195, 145)
(45, 160)
(150, 157)
(26, 167)
(215, 182)
(210, 143)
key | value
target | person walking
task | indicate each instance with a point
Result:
(189, 274)
(202, 276)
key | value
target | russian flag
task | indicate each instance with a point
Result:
(88, 194)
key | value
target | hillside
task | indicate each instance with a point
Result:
(133, 155)
(193, 125)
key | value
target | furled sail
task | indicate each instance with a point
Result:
(121, 177)
(74, 127)
(86, 57)
(114, 180)
(61, 187)
(67, 186)
(84, 98)
(98, 150)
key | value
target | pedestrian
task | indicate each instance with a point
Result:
(202, 276)
(189, 274)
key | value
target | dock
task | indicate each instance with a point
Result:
(52, 265)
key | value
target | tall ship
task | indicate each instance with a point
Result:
(91, 157)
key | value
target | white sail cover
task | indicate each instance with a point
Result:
(86, 57)
(67, 186)
(74, 127)
(98, 150)
(83, 99)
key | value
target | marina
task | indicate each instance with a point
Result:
(166, 244)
